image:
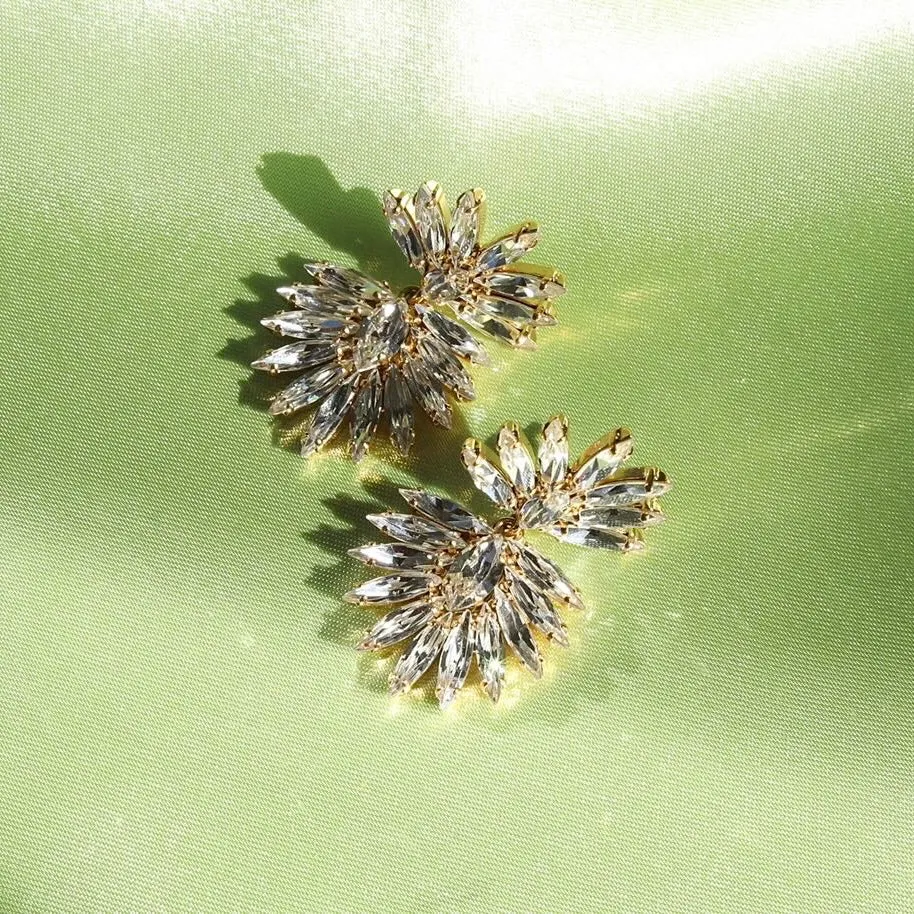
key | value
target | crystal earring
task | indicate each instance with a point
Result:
(364, 350)
(461, 585)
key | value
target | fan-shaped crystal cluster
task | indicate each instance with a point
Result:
(364, 351)
(461, 587)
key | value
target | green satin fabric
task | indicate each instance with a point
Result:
(186, 726)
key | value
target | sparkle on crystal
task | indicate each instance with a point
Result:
(460, 587)
(366, 351)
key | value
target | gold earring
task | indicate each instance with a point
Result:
(462, 586)
(364, 350)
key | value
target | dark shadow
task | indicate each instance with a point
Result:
(533, 430)
(344, 623)
(434, 459)
(257, 389)
(350, 221)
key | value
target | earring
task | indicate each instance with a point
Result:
(364, 350)
(462, 586)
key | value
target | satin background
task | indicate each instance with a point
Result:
(185, 724)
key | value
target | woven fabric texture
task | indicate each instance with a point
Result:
(185, 724)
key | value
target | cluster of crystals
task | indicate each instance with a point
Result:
(461, 587)
(365, 352)
(482, 283)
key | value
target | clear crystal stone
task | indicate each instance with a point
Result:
(603, 458)
(553, 289)
(637, 485)
(516, 460)
(369, 404)
(546, 575)
(380, 335)
(302, 325)
(418, 658)
(516, 633)
(508, 248)
(396, 626)
(596, 538)
(515, 285)
(538, 609)
(526, 286)
(485, 475)
(397, 208)
(457, 594)
(328, 418)
(289, 292)
(295, 357)
(447, 286)
(545, 510)
(445, 512)
(447, 367)
(395, 555)
(306, 390)
(399, 406)
(345, 279)
(615, 518)
(545, 316)
(320, 301)
(393, 588)
(437, 284)
(480, 568)
(455, 660)
(454, 336)
(521, 339)
(490, 652)
(411, 529)
(428, 393)
(466, 224)
(553, 450)
(506, 309)
(429, 206)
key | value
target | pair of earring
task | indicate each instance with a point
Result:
(456, 586)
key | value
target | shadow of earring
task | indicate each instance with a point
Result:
(350, 221)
